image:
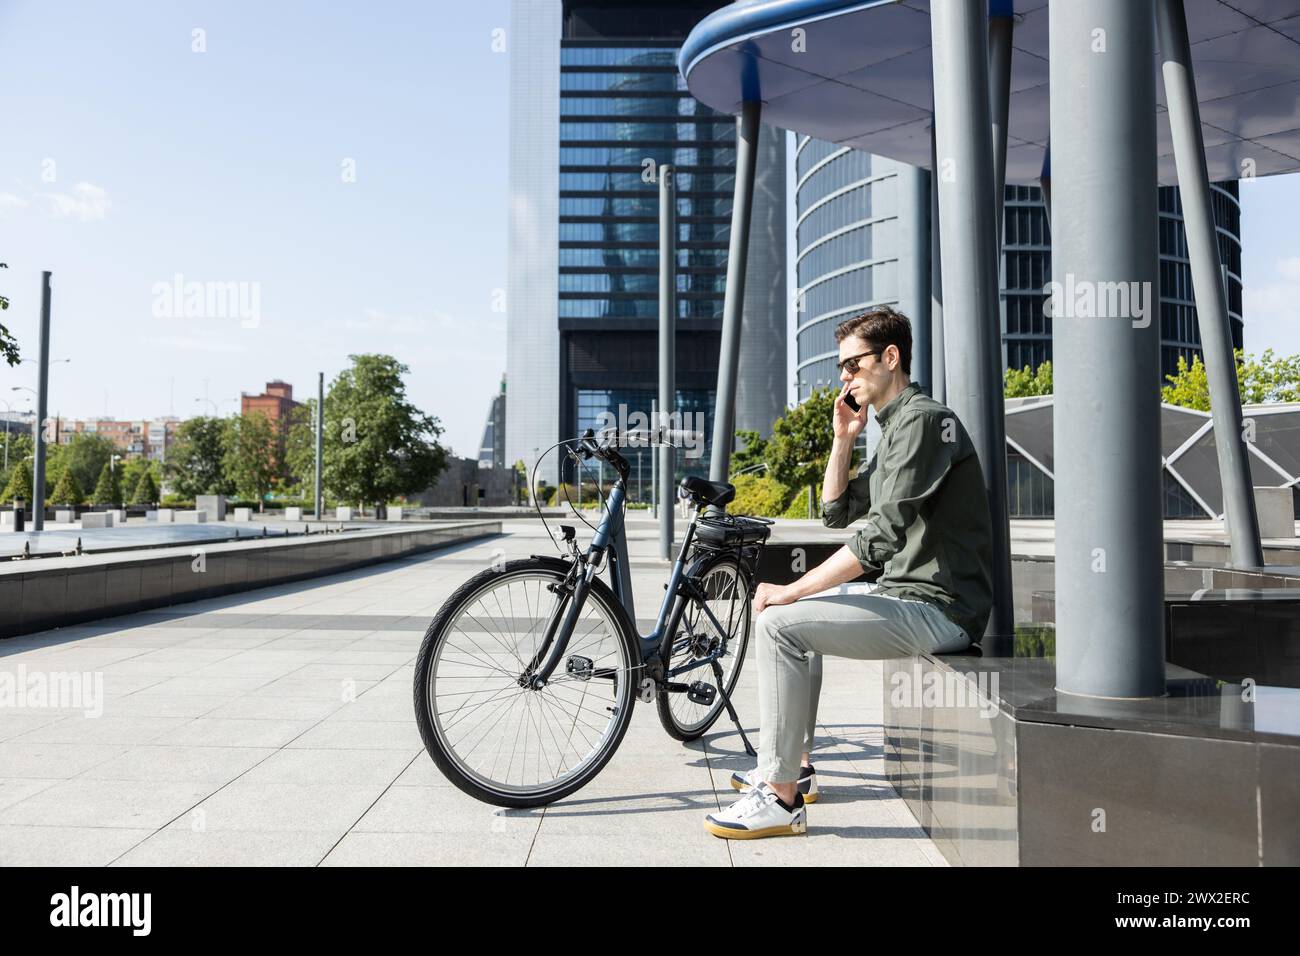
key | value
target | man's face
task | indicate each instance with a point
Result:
(873, 376)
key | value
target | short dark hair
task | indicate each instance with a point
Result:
(881, 327)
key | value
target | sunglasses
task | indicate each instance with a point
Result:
(852, 364)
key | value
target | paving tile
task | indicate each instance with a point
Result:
(65, 845)
(228, 848)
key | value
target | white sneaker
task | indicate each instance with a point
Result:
(807, 782)
(758, 814)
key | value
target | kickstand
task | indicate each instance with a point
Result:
(735, 718)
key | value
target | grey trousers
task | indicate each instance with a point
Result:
(843, 621)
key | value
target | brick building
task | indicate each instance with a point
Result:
(276, 403)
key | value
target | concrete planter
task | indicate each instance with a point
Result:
(191, 517)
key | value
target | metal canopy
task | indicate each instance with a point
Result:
(860, 75)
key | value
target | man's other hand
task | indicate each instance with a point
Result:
(766, 594)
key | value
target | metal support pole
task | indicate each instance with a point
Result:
(1208, 285)
(654, 464)
(724, 419)
(320, 445)
(1001, 27)
(1109, 547)
(667, 349)
(938, 374)
(967, 217)
(42, 404)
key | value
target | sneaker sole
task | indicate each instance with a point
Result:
(742, 788)
(729, 834)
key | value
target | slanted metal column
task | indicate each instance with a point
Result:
(667, 352)
(972, 327)
(1207, 282)
(1105, 320)
(938, 374)
(42, 409)
(1045, 184)
(724, 418)
(1001, 26)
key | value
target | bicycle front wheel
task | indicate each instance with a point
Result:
(700, 637)
(493, 734)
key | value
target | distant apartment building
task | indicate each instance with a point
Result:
(135, 438)
(276, 403)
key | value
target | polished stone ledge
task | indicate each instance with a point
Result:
(40, 594)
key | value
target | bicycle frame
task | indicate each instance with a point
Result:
(610, 544)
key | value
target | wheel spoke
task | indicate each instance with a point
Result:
(511, 738)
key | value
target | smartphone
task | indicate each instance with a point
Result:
(852, 402)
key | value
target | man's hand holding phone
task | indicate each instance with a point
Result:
(849, 418)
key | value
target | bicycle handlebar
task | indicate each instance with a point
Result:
(651, 436)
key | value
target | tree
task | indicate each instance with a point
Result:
(1270, 378)
(300, 448)
(801, 440)
(753, 454)
(195, 464)
(108, 490)
(20, 447)
(20, 483)
(146, 489)
(67, 491)
(85, 455)
(1022, 383)
(8, 345)
(377, 444)
(252, 455)
(132, 469)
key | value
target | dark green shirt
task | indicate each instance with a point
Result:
(928, 533)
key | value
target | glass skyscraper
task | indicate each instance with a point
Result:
(598, 107)
(859, 227)
(857, 223)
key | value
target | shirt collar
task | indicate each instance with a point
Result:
(894, 404)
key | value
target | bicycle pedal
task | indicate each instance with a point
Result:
(702, 693)
(580, 667)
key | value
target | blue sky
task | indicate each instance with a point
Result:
(227, 166)
(129, 158)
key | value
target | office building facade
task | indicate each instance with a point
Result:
(859, 217)
(597, 108)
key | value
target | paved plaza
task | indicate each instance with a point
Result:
(275, 727)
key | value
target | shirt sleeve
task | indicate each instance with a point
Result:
(854, 501)
(917, 460)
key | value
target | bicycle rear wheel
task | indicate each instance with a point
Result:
(489, 731)
(724, 587)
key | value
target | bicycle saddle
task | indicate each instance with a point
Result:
(717, 493)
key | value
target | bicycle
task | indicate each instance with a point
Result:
(562, 663)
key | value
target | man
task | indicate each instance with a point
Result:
(927, 537)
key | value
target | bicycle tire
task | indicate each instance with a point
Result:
(438, 635)
(680, 729)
